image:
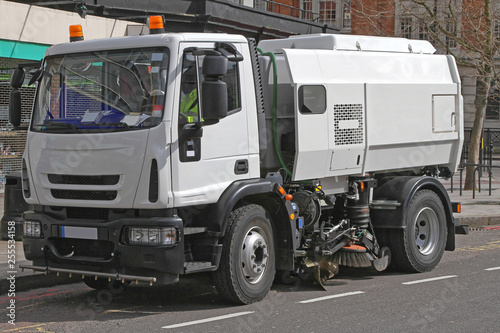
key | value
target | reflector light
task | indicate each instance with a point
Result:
(456, 207)
(75, 33)
(289, 197)
(282, 190)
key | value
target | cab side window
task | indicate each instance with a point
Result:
(188, 110)
(191, 84)
(232, 80)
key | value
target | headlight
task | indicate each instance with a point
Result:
(152, 236)
(32, 229)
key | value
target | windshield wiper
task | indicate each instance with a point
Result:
(120, 124)
(49, 125)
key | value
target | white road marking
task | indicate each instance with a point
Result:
(430, 280)
(202, 321)
(492, 269)
(324, 298)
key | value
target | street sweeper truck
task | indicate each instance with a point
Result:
(156, 156)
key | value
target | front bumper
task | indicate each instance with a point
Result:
(108, 255)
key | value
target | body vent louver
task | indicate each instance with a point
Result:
(25, 179)
(349, 126)
(153, 182)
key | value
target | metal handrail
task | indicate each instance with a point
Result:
(477, 169)
(490, 138)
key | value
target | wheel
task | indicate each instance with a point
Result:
(247, 265)
(101, 283)
(420, 246)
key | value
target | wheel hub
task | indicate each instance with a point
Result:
(426, 231)
(254, 255)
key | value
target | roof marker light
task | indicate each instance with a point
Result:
(156, 25)
(75, 33)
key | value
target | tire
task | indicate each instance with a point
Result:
(420, 246)
(247, 265)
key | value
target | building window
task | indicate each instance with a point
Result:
(493, 108)
(331, 12)
(307, 10)
(493, 101)
(496, 30)
(260, 4)
(423, 31)
(327, 10)
(406, 27)
(451, 28)
(347, 14)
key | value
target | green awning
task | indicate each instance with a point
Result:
(22, 50)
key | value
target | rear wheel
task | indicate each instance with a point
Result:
(247, 265)
(420, 246)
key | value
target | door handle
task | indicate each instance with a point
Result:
(241, 167)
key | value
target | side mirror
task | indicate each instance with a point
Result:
(15, 107)
(214, 90)
(214, 66)
(16, 82)
(17, 78)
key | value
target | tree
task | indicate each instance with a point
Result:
(467, 29)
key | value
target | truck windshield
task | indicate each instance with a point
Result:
(115, 90)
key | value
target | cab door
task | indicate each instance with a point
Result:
(206, 159)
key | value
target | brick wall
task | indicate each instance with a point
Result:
(373, 17)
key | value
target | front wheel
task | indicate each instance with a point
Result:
(247, 266)
(420, 246)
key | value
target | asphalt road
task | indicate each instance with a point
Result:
(461, 295)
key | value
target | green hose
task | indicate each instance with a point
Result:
(275, 110)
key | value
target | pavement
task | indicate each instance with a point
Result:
(480, 210)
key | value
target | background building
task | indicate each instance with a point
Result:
(460, 18)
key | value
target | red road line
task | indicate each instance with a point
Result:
(7, 300)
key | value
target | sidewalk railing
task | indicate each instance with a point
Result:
(490, 138)
(477, 169)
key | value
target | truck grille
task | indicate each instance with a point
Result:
(87, 213)
(84, 195)
(84, 180)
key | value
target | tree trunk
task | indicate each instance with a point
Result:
(481, 102)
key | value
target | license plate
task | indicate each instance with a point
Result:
(79, 232)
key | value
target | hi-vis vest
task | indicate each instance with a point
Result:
(189, 106)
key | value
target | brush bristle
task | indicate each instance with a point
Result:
(351, 259)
